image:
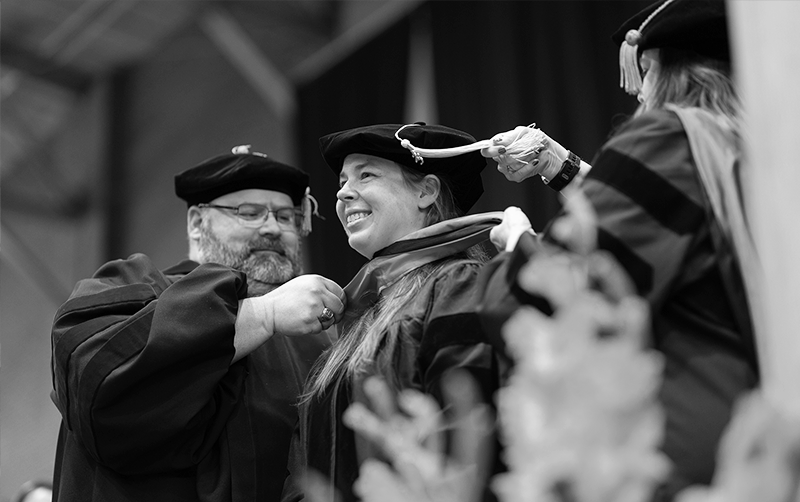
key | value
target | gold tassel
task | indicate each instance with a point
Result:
(630, 78)
(309, 206)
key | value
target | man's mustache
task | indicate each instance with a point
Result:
(273, 245)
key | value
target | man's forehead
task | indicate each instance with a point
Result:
(255, 196)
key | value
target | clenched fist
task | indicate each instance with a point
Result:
(306, 305)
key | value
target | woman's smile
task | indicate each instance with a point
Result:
(355, 217)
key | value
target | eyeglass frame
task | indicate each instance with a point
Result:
(296, 215)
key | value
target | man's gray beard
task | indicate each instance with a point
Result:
(265, 271)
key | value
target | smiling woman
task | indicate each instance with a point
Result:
(411, 309)
(378, 204)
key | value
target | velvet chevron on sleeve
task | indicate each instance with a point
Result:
(648, 200)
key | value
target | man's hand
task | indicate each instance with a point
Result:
(306, 305)
(299, 306)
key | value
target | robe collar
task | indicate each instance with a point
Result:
(418, 248)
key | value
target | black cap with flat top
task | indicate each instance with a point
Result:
(463, 172)
(700, 26)
(239, 170)
(697, 25)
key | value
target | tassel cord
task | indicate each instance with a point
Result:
(310, 207)
(520, 148)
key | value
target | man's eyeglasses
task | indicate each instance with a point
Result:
(254, 215)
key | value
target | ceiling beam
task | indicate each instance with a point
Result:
(91, 31)
(351, 40)
(32, 64)
(71, 206)
(245, 55)
(26, 260)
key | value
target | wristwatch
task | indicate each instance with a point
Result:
(569, 169)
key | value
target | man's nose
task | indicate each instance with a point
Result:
(270, 225)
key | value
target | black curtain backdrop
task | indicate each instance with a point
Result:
(499, 64)
(368, 87)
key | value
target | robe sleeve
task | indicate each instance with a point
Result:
(649, 202)
(141, 364)
(452, 335)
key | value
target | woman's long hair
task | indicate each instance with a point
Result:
(365, 342)
(687, 79)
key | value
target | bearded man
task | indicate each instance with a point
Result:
(181, 384)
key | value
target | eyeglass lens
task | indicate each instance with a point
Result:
(256, 214)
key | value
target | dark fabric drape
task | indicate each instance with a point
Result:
(368, 87)
(500, 64)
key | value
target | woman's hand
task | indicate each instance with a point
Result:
(524, 152)
(515, 223)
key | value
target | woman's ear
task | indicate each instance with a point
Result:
(429, 192)
(194, 223)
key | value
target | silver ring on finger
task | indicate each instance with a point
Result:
(326, 316)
